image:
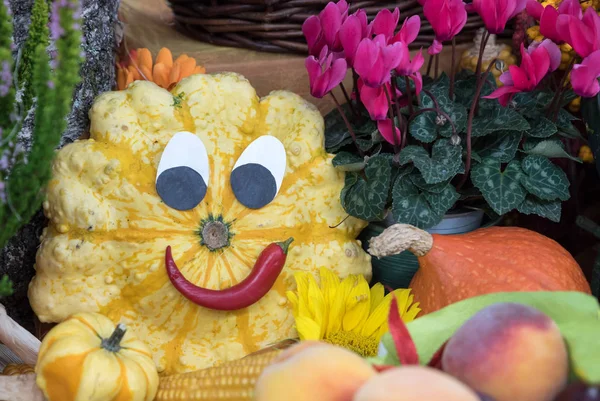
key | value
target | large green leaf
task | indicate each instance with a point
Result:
(541, 127)
(501, 189)
(576, 314)
(543, 179)
(550, 210)
(552, 148)
(445, 161)
(367, 199)
(564, 122)
(336, 130)
(502, 145)
(498, 118)
(346, 161)
(423, 209)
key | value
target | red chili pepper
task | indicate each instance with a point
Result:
(261, 279)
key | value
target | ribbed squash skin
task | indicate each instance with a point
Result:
(104, 248)
(494, 259)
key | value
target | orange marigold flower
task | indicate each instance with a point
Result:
(165, 72)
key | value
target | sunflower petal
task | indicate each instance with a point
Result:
(293, 298)
(358, 305)
(174, 74)
(307, 328)
(338, 305)
(412, 313)
(377, 294)
(316, 304)
(377, 319)
(187, 67)
(160, 75)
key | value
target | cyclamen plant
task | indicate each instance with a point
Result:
(40, 86)
(416, 147)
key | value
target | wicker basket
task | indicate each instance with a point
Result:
(276, 25)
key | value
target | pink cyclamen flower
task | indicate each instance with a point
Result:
(324, 73)
(525, 78)
(548, 16)
(496, 13)
(584, 76)
(447, 18)
(389, 131)
(324, 29)
(375, 100)
(375, 60)
(582, 34)
(410, 68)
(353, 30)
(385, 23)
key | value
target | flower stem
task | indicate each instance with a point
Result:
(355, 89)
(437, 65)
(348, 125)
(391, 113)
(484, 40)
(397, 104)
(409, 95)
(554, 108)
(348, 100)
(452, 69)
(429, 64)
(470, 124)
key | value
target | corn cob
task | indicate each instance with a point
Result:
(231, 381)
(13, 369)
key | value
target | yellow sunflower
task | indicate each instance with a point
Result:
(346, 312)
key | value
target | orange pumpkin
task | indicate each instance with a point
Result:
(487, 260)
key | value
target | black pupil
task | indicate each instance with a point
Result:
(181, 188)
(253, 185)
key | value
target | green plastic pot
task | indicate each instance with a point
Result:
(397, 271)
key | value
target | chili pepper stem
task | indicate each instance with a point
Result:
(286, 244)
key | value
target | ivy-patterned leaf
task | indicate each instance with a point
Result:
(502, 145)
(336, 131)
(564, 122)
(346, 161)
(442, 201)
(552, 148)
(367, 199)
(418, 180)
(543, 179)
(541, 127)
(410, 206)
(501, 189)
(498, 118)
(547, 209)
(423, 127)
(444, 163)
(465, 87)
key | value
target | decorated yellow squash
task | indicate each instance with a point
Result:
(206, 178)
(87, 358)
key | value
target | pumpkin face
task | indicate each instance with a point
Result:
(104, 249)
(86, 358)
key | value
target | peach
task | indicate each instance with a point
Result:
(310, 372)
(414, 383)
(511, 352)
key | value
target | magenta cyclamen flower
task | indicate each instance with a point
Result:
(496, 13)
(353, 30)
(548, 16)
(536, 63)
(410, 68)
(582, 34)
(324, 29)
(447, 17)
(389, 132)
(375, 60)
(324, 73)
(584, 76)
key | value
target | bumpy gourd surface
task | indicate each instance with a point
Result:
(105, 245)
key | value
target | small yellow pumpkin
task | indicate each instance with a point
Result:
(105, 247)
(87, 358)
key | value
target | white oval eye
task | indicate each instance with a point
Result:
(183, 172)
(257, 175)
